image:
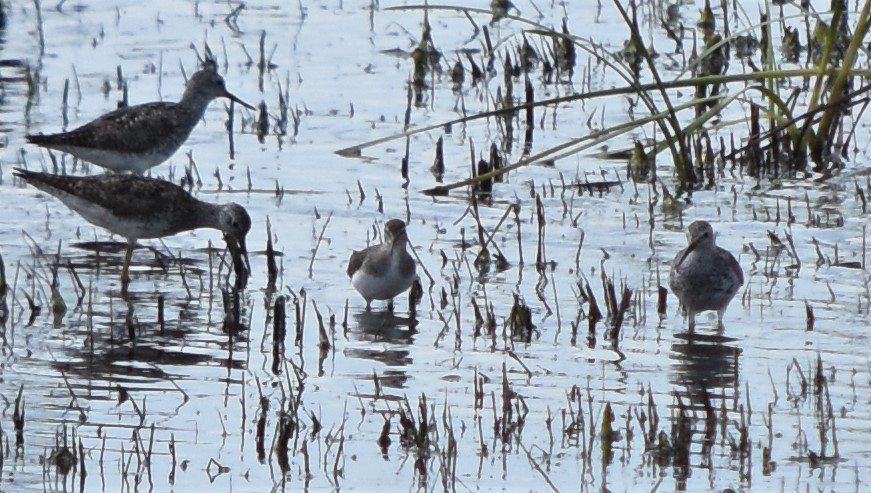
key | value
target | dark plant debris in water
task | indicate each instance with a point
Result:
(706, 418)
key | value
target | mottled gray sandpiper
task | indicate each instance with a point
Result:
(136, 138)
(381, 272)
(137, 207)
(703, 275)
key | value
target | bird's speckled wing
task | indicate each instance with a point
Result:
(735, 266)
(355, 262)
(675, 269)
(133, 129)
(123, 195)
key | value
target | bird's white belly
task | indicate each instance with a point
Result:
(383, 287)
(118, 161)
(94, 214)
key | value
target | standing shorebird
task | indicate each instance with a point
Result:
(138, 207)
(381, 272)
(136, 138)
(704, 276)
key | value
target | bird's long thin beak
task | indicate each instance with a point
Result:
(245, 255)
(396, 240)
(692, 246)
(237, 249)
(232, 97)
(696, 242)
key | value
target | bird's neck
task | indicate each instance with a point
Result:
(397, 246)
(195, 102)
(207, 215)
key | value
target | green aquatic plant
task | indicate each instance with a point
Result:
(781, 135)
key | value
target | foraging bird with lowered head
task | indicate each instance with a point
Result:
(137, 207)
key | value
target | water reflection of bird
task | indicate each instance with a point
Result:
(137, 207)
(705, 364)
(704, 374)
(136, 138)
(385, 327)
(703, 275)
(383, 271)
(385, 339)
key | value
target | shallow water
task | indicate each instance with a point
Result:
(209, 403)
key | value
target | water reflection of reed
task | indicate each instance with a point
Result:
(111, 354)
(102, 254)
(140, 363)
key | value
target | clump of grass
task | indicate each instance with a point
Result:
(782, 137)
(418, 433)
(520, 326)
(18, 418)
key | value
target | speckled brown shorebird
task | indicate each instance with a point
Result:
(381, 272)
(704, 276)
(137, 207)
(136, 138)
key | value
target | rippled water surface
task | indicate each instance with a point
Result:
(201, 401)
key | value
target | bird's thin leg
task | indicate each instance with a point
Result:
(368, 305)
(161, 255)
(720, 326)
(125, 271)
(692, 325)
(390, 306)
